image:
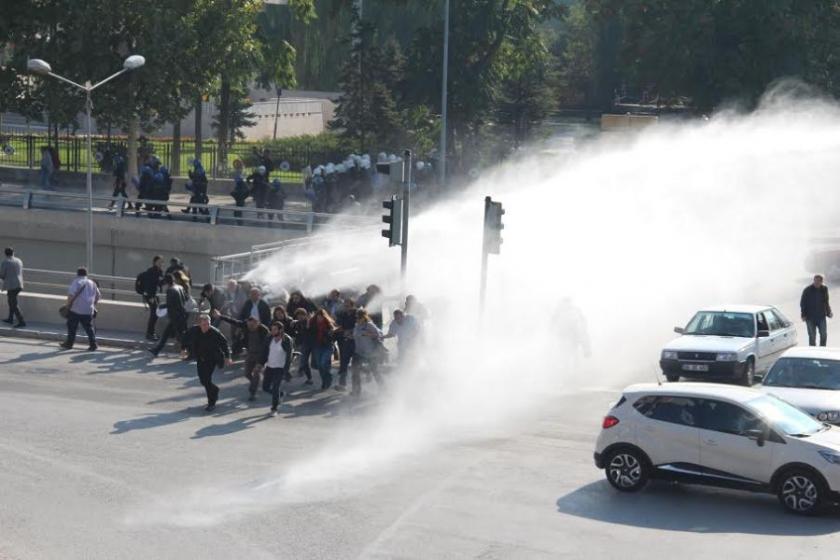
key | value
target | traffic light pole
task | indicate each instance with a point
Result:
(484, 253)
(406, 180)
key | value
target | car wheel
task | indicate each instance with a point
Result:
(627, 470)
(749, 373)
(672, 378)
(801, 492)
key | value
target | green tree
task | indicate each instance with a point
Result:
(367, 110)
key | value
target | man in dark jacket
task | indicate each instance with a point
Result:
(211, 350)
(256, 336)
(176, 299)
(815, 308)
(211, 299)
(275, 361)
(256, 307)
(147, 285)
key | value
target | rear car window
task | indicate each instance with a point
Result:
(671, 409)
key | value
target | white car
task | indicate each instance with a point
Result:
(728, 343)
(808, 378)
(720, 435)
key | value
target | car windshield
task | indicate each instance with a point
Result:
(722, 323)
(784, 416)
(805, 373)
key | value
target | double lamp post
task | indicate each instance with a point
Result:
(38, 66)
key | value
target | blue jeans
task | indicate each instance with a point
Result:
(303, 363)
(323, 361)
(272, 380)
(813, 327)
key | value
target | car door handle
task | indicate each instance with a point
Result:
(710, 442)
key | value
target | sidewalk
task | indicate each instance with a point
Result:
(57, 333)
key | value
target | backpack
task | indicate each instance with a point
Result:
(139, 284)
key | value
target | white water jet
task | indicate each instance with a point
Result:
(638, 232)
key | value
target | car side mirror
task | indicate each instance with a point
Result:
(679, 330)
(763, 334)
(758, 435)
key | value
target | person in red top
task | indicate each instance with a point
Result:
(323, 332)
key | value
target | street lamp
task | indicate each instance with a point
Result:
(42, 67)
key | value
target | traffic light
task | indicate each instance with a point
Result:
(493, 226)
(394, 220)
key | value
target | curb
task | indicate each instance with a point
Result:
(8, 332)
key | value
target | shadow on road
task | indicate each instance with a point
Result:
(693, 509)
(237, 425)
(160, 419)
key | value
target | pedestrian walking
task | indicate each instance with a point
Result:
(323, 333)
(211, 299)
(176, 311)
(211, 351)
(255, 336)
(120, 167)
(47, 168)
(815, 309)
(275, 361)
(370, 352)
(82, 297)
(11, 273)
(147, 285)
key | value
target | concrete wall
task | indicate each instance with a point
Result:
(55, 240)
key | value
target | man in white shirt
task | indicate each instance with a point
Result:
(276, 358)
(82, 297)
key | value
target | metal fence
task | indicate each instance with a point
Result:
(180, 211)
(22, 150)
(114, 288)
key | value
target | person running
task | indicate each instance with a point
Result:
(211, 350)
(370, 353)
(323, 333)
(346, 322)
(147, 285)
(302, 335)
(82, 297)
(406, 329)
(256, 335)
(176, 300)
(815, 308)
(11, 272)
(274, 363)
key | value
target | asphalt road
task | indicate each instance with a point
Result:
(108, 456)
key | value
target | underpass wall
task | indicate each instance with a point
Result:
(56, 240)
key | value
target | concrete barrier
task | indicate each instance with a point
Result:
(111, 315)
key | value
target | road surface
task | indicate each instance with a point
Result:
(110, 456)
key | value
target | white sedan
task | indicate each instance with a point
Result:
(808, 378)
(732, 342)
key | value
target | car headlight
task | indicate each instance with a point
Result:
(669, 355)
(828, 416)
(726, 357)
(832, 457)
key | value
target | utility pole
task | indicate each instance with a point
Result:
(492, 240)
(444, 94)
(406, 180)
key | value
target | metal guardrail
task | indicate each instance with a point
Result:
(179, 211)
(115, 288)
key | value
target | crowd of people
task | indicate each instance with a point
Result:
(337, 337)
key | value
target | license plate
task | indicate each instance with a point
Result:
(695, 367)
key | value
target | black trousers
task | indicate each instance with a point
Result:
(73, 320)
(272, 380)
(176, 328)
(205, 376)
(14, 310)
(150, 326)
